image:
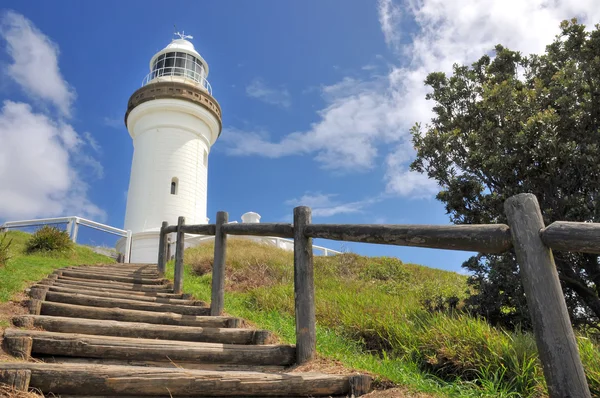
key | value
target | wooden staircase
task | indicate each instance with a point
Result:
(120, 331)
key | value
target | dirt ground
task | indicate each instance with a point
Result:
(382, 388)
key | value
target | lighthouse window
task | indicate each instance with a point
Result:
(174, 183)
(178, 64)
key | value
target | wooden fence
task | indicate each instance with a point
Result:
(526, 234)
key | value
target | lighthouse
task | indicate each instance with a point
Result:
(173, 120)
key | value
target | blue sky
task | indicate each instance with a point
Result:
(317, 100)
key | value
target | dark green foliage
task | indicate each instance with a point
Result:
(4, 246)
(49, 240)
(515, 124)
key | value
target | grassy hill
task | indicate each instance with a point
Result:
(23, 269)
(402, 322)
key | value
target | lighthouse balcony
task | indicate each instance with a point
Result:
(178, 74)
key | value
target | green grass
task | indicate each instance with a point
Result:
(375, 314)
(22, 269)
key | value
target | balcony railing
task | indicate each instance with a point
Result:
(177, 74)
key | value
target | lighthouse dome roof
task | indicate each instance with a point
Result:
(182, 44)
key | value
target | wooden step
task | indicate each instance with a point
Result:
(161, 364)
(145, 267)
(117, 314)
(151, 274)
(109, 347)
(58, 284)
(118, 286)
(142, 330)
(122, 295)
(113, 283)
(110, 277)
(106, 302)
(120, 381)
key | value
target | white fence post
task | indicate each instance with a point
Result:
(70, 228)
(127, 256)
(75, 229)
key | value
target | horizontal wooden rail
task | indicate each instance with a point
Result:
(581, 237)
(170, 229)
(280, 230)
(485, 238)
(201, 229)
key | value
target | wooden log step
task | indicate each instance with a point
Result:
(109, 277)
(111, 270)
(123, 265)
(125, 277)
(122, 381)
(142, 330)
(149, 275)
(117, 291)
(109, 347)
(122, 295)
(112, 285)
(16, 379)
(144, 267)
(106, 302)
(118, 314)
(161, 364)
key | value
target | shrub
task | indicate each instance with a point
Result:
(4, 245)
(49, 240)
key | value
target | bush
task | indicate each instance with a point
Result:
(4, 256)
(49, 240)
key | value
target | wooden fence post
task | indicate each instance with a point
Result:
(218, 271)
(179, 248)
(168, 256)
(304, 288)
(162, 250)
(554, 334)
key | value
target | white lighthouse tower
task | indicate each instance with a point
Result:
(173, 120)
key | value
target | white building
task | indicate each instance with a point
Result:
(173, 120)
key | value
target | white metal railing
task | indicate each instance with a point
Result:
(73, 224)
(177, 74)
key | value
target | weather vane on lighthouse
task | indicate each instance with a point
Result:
(183, 36)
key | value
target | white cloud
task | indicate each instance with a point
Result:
(91, 141)
(36, 179)
(274, 96)
(42, 157)
(389, 18)
(325, 205)
(364, 118)
(35, 62)
(114, 122)
(345, 138)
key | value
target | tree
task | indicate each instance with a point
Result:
(512, 124)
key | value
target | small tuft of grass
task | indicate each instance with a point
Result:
(4, 246)
(49, 240)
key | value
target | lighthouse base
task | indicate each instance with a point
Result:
(144, 247)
